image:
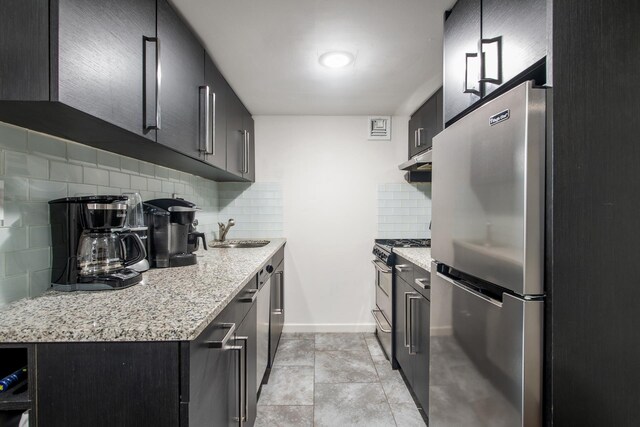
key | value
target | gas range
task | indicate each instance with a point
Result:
(383, 248)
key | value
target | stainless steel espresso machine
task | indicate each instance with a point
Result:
(91, 249)
(172, 238)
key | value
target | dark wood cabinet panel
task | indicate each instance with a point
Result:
(218, 131)
(520, 28)
(108, 384)
(420, 340)
(24, 49)
(182, 59)
(461, 34)
(401, 327)
(235, 134)
(248, 329)
(100, 58)
(248, 126)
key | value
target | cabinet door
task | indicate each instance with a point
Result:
(413, 137)
(420, 345)
(235, 134)
(247, 335)
(516, 29)
(100, 59)
(250, 150)
(217, 153)
(461, 63)
(402, 293)
(182, 59)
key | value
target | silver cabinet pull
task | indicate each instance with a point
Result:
(415, 138)
(419, 133)
(204, 124)
(491, 73)
(222, 344)
(406, 321)
(382, 268)
(374, 313)
(252, 298)
(423, 283)
(412, 297)
(248, 150)
(212, 133)
(243, 393)
(403, 267)
(466, 89)
(280, 309)
(156, 124)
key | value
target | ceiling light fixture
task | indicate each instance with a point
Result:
(336, 59)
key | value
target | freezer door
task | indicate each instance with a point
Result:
(486, 358)
(488, 192)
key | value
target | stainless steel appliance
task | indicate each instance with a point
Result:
(487, 275)
(384, 262)
(172, 232)
(91, 249)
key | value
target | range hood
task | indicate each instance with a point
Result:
(418, 167)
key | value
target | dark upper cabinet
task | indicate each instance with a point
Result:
(461, 62)
(182, 64)
(514, 38)
(216, 146)
(100, 59)
(488, 44)
(424, 124)
(250, 146)
(235, 135)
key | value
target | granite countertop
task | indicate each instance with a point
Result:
(419, 256)
(172, 304)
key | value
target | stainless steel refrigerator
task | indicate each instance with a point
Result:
(487, 276)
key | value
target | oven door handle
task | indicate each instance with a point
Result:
(382, 268)
(375, 317)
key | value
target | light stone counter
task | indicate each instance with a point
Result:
(172, 304)
(419, 256)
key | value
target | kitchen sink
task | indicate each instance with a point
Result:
(240, 244)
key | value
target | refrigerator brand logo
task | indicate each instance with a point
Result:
(500, 117)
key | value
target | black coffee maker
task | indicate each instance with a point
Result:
(91, 250)
(172, 235)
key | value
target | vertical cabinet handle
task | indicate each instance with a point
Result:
(406, 319)
(280, 287)
(419, 133)
(415, 138)
(413, 297)
(474, 89)
(491, 60)
(155, 82)
(248, 150)
(205, 92)
(212, 126)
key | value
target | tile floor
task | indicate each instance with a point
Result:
(334, 380)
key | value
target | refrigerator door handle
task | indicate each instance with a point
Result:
(471, 291)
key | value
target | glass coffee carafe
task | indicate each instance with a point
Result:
(102, 253)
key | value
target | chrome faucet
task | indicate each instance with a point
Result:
(224, 229)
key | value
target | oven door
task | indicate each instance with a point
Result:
(382, 313)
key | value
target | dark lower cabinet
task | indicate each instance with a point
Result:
(108, 384)
(411, 334)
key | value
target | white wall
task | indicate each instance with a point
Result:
(329, 174)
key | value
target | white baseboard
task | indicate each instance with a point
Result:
(329, 327)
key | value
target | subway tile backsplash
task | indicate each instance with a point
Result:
(37, 168)
(404, 210)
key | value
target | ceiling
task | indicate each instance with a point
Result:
(268, 51)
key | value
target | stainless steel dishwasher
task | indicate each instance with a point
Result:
(263, 301)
